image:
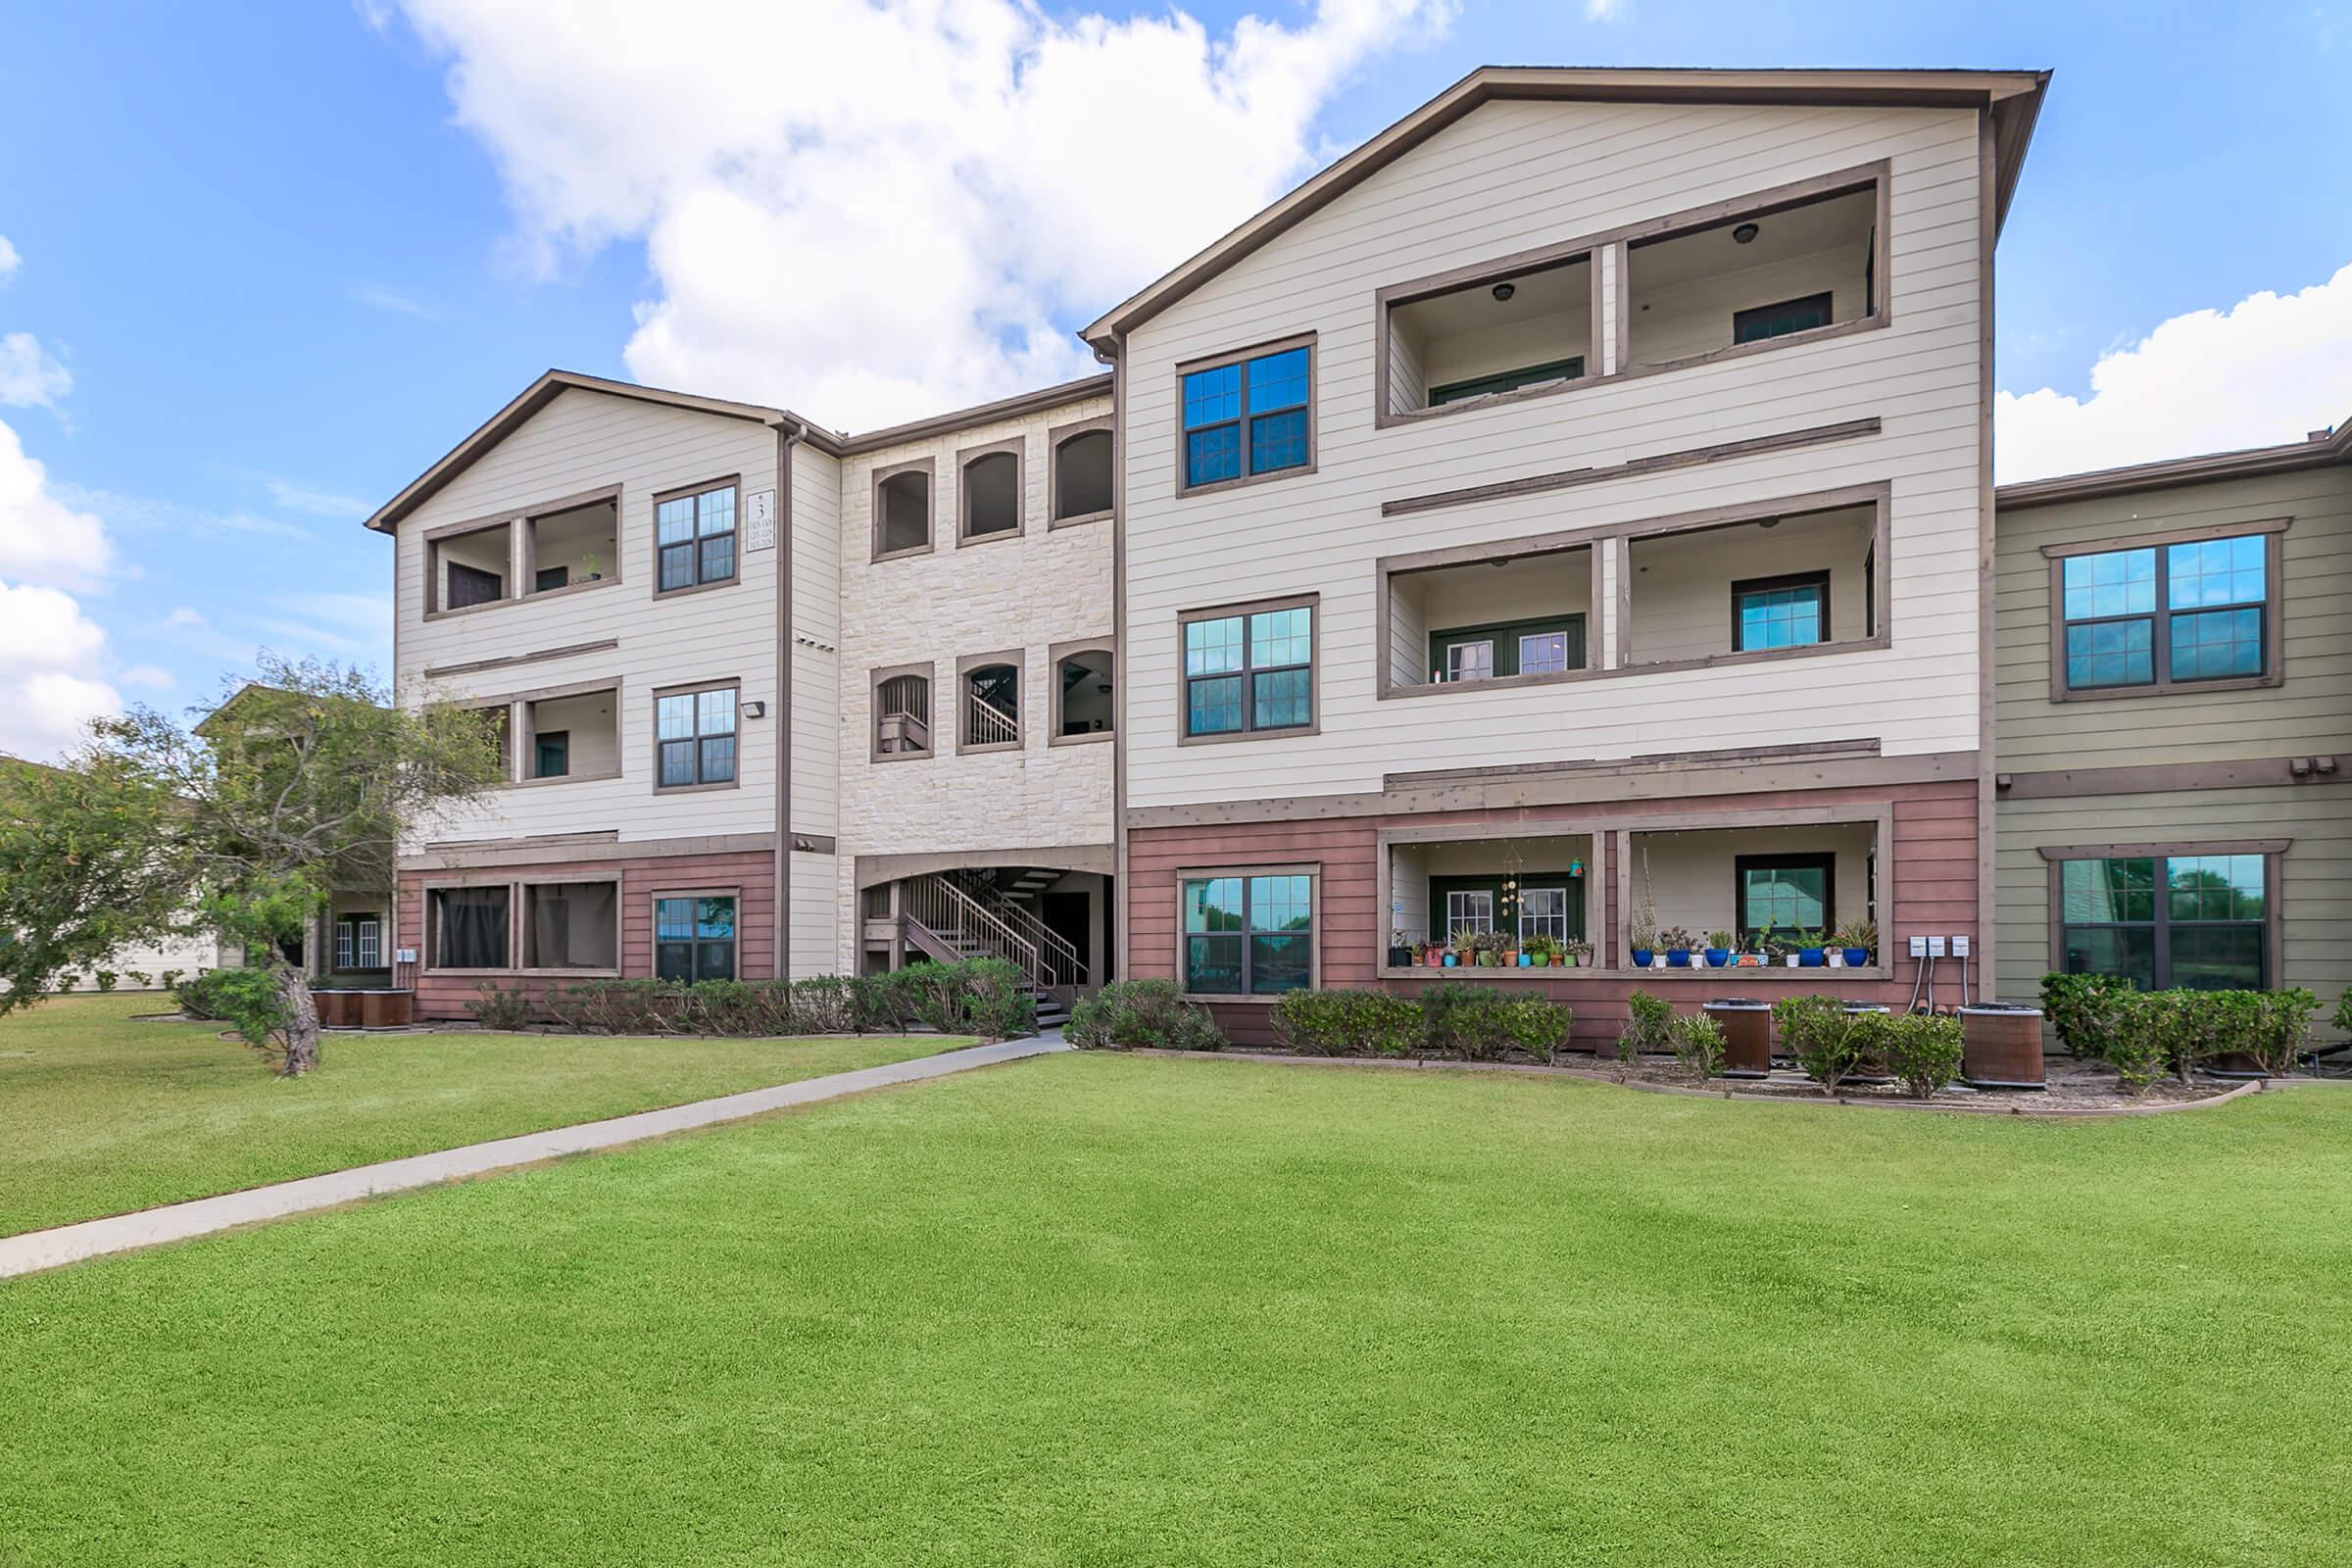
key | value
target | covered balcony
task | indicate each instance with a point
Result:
(1762, 588)
(1761, 894)
(1490, 336)
(1808, 265)
(572, 737)
(1481, 901)
(1511, 620)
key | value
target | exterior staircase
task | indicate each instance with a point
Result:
(949, 918)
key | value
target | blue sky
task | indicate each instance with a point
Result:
(270, 262)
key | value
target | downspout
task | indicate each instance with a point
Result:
(789, 434)
(1122, 894)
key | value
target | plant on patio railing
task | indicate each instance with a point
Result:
(1142, 1014)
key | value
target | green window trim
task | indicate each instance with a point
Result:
(1506, 908)
(1569, 369)
(1505, 635)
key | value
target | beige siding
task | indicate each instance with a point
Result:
(2310, 711)
(816, 648)
(1514, 176)
(1047, 586)
(584, 441)
(2315, 895)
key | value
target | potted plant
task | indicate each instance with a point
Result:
(592, 565)
(1644, 938)
(1676, 943)
(1856, 941)
(1537, 951)
(1400, 952)
(1810, 954)
(1573, 954)
(1719, 950)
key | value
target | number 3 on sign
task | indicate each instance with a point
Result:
(760, 519)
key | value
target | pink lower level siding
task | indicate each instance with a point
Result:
(1933, 888)
(749, 877)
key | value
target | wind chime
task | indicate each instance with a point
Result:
(1513, 863)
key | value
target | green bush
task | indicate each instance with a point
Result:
(823, 1005)
(1349, 1023)
(499, 1008)
(997, 1002)
(891, 1003)
(1649, 1026)
(2343, 1011)
(1698, 1044)
(108, 979)
(2081, 1009)
(617, 1007)
(245, 998)
(2140, 1042)
(1467, 1021)
(202, 998)
(1825, 1040)
(1923, 1051)
(1142, 1014)
(2274, 1027)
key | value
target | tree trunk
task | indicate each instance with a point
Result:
(302, 1020)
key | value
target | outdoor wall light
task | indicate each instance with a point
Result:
(755, 709)
(1744, 234)
(1503, 292)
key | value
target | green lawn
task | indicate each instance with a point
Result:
(1101, 1310)
(100, 1115)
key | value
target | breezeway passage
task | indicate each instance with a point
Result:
(69, 1243)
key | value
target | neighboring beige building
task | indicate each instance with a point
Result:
(2175, 737)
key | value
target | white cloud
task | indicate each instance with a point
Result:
(49, 651)
(30, 377)
(9, 260)
(377, 297)
(2269, 369)
(318, 502)
(902, 207)
(153, 675)
(1604, 10)
(42, 537)
(148, 514)
(184, 616)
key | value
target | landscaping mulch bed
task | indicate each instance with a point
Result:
(2074, 1087)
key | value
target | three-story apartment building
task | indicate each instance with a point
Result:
(1569, 513)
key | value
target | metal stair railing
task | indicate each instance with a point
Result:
(986, 724)
(1057, 958)
(949, 912)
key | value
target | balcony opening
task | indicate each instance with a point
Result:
(1082, 475)
(903, 504)
(473, 568)
(1767, 586)
(1461, 894)
(571, 925)
(1772, 273)
(1495, 336)
(992, 495)
(1765, 891)
(902, 716)
(575, 546)
(1084, 688)
(1499, 618)
(575, 737)
(991, 706)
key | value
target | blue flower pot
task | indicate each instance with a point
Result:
(1717, 957)
(1678, 958)
(1642, 957)
(1857, 957)
(1527, 961)
(1811, 957)
(1449, 960)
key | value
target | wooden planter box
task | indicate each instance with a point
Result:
(2002, 1045)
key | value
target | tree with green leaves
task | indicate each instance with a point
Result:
(304, 780)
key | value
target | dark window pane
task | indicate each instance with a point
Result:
(1213, 964)
(468, 585)
(715, 960)
(2213, 644)
(2126, 951)
(1213, 707)
(2112, 652)
(1778, 320)
(472, 928)
(677, 762)
(1278, 441)
(1786, 898)
(1284, 698)
(547, 579)
(673, 960)
(2214, 887)
(1279, 964)
(719, 558)
(555, 756)
(2097, 892)
(2218, 957)
(718, 760)
(1214, 455)
(677, 566)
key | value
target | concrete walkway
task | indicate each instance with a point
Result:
(177, 1222)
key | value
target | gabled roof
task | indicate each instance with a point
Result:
(555, 383)
(2314, 451)
(2014, 98)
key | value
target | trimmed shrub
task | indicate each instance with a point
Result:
(891, 1003)
(1649, 1026)
(997, 1002)
(1923, 1051)
(1470, 1022)
(1349, 1023)
(1821, 1036)
(2274, 1027)
(1698, 1044)
(108, 979)
(1142, 1014)
(822, 1004)
(2139, 1043)
(2081, 1009)
(203, 996)
(618, 1007)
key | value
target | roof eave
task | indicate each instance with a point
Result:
(2210, 467)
